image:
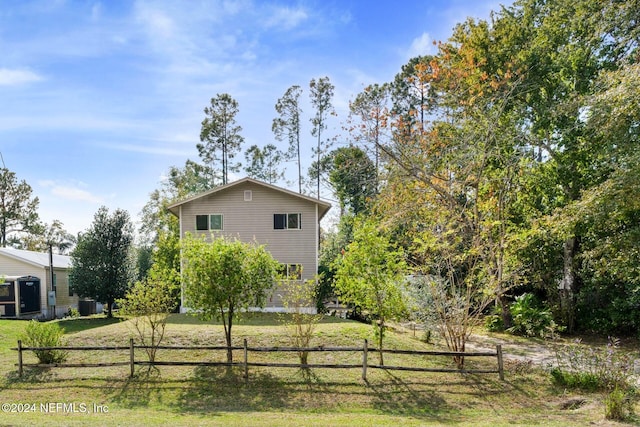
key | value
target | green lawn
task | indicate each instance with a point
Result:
(273, 396)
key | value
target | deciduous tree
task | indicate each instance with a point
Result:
(299, 299)
(148, 303)
(353, 177)
(371, 275)
(223, 277)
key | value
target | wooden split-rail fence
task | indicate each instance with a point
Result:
(365, 365)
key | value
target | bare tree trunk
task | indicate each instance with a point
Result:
(228, 338)
(568, 285)
(507, 319)
(110, 308)
(381, 327)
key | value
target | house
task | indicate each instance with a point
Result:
(287, 223)
(26, 284)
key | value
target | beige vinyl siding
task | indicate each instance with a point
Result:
(13, 267)
(62, 290)
(253, 220)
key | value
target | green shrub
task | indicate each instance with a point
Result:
(73, 313)
(581, 380)
(47, 334)
(494, 323)
(529, 319)
(617, 406)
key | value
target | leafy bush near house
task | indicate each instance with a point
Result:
(47, 334)
(73, 313)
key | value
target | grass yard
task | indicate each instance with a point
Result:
(179, 395)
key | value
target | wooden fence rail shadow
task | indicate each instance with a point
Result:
(365, 365)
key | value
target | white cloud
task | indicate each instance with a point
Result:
(286, 18)
(9, 77)
(150, 149)
(422, 45)
(74, 191)
(158, 23)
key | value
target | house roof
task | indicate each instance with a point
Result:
(38, 259)
(323, 206)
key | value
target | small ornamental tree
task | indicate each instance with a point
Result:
(299, 299)
(149, 302)
(370, 275)
(223, 277)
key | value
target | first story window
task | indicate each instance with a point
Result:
(291, 221)
(291, 271)
(5, 291)
(209, 222)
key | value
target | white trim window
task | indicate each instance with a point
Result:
(291, 271)
(213, 222)
(287, 221)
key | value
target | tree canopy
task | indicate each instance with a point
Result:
(223, 277)
(370, 275)
(220, 135)
(102, 266)
(18, 208)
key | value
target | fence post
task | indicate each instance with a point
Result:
(246, 361)
(500, 362)
(131, 358)
(365, 351)
(20, 358)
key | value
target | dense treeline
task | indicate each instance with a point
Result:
(512, 162)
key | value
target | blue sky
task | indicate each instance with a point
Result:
(99, 99)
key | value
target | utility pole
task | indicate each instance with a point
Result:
(52, 277)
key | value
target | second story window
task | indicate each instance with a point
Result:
(292, 221)
(209, 222)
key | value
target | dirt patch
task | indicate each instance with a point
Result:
(572, 404)
(533, 353)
